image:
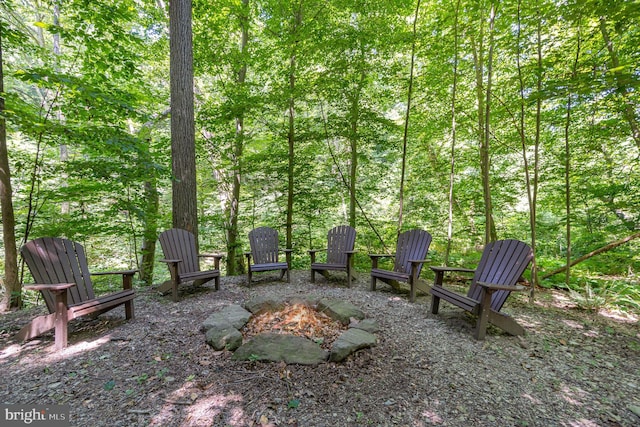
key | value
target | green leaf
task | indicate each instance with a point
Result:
(293, 403)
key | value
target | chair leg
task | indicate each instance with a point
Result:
(128, 309)
(174, 291)
(483, 316)
(373, 283)
(435, 304)
(249, 276)
(62, 319)
(217, 283)
(313, 276)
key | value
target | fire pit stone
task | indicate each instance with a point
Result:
(223, 327)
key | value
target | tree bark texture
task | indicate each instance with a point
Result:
(183, 149)
(12, 285)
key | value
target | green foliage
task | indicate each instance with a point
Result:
(103, 96)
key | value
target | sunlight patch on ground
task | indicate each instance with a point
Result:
(12, 350)
(582, 423)
(48, 354)
(432, 417)
(572, 396)
(203, 411)
(572, 324)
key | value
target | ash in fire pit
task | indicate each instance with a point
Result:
(293, 331)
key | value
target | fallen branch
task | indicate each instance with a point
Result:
(605, 248)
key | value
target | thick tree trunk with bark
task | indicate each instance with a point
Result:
(183, 150)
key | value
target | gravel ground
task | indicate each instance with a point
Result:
(572, 368)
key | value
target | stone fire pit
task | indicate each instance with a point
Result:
(222, 332)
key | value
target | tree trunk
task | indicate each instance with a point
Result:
(13, 288)
(291, 136)
(354, 117)
(233, 204)
(567, 163)
(454, 90)
(531, 183)
(183, 150)
(406, 117)
(485, 159)
(150, 232)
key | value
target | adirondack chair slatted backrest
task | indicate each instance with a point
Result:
(412, 245)
(340, 240)
(502, 263)
(264, 245)
(53, 260)
(180, 244)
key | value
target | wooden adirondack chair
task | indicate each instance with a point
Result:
(411, 251)
(340, 242)
(59, 266)
(180, 255)
(496, 276)
(264, 250)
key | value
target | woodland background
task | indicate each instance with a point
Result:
(472, 119)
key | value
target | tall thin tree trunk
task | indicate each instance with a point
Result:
(64, 150)
(567, 160)
(291, 133)
(485, 159)
(531, 183)
(13, 288)
(238, 145)
(454, 91)
(150, 231)
(406, 118)
(185, 203)
(291, 141)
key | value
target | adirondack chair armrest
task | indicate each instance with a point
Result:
(127, 275)
(376, 257)
(418, 261)
(312, 253)
(170, 261)
(219, 256)
(453, 269)
(216, 259)
(494, 287)
(440, 271)
(46, 287)
(350, 252)
(286, 250)
(119, 272)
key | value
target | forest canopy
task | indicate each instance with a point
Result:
(472, 119)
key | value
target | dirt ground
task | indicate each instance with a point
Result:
(572, 368)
